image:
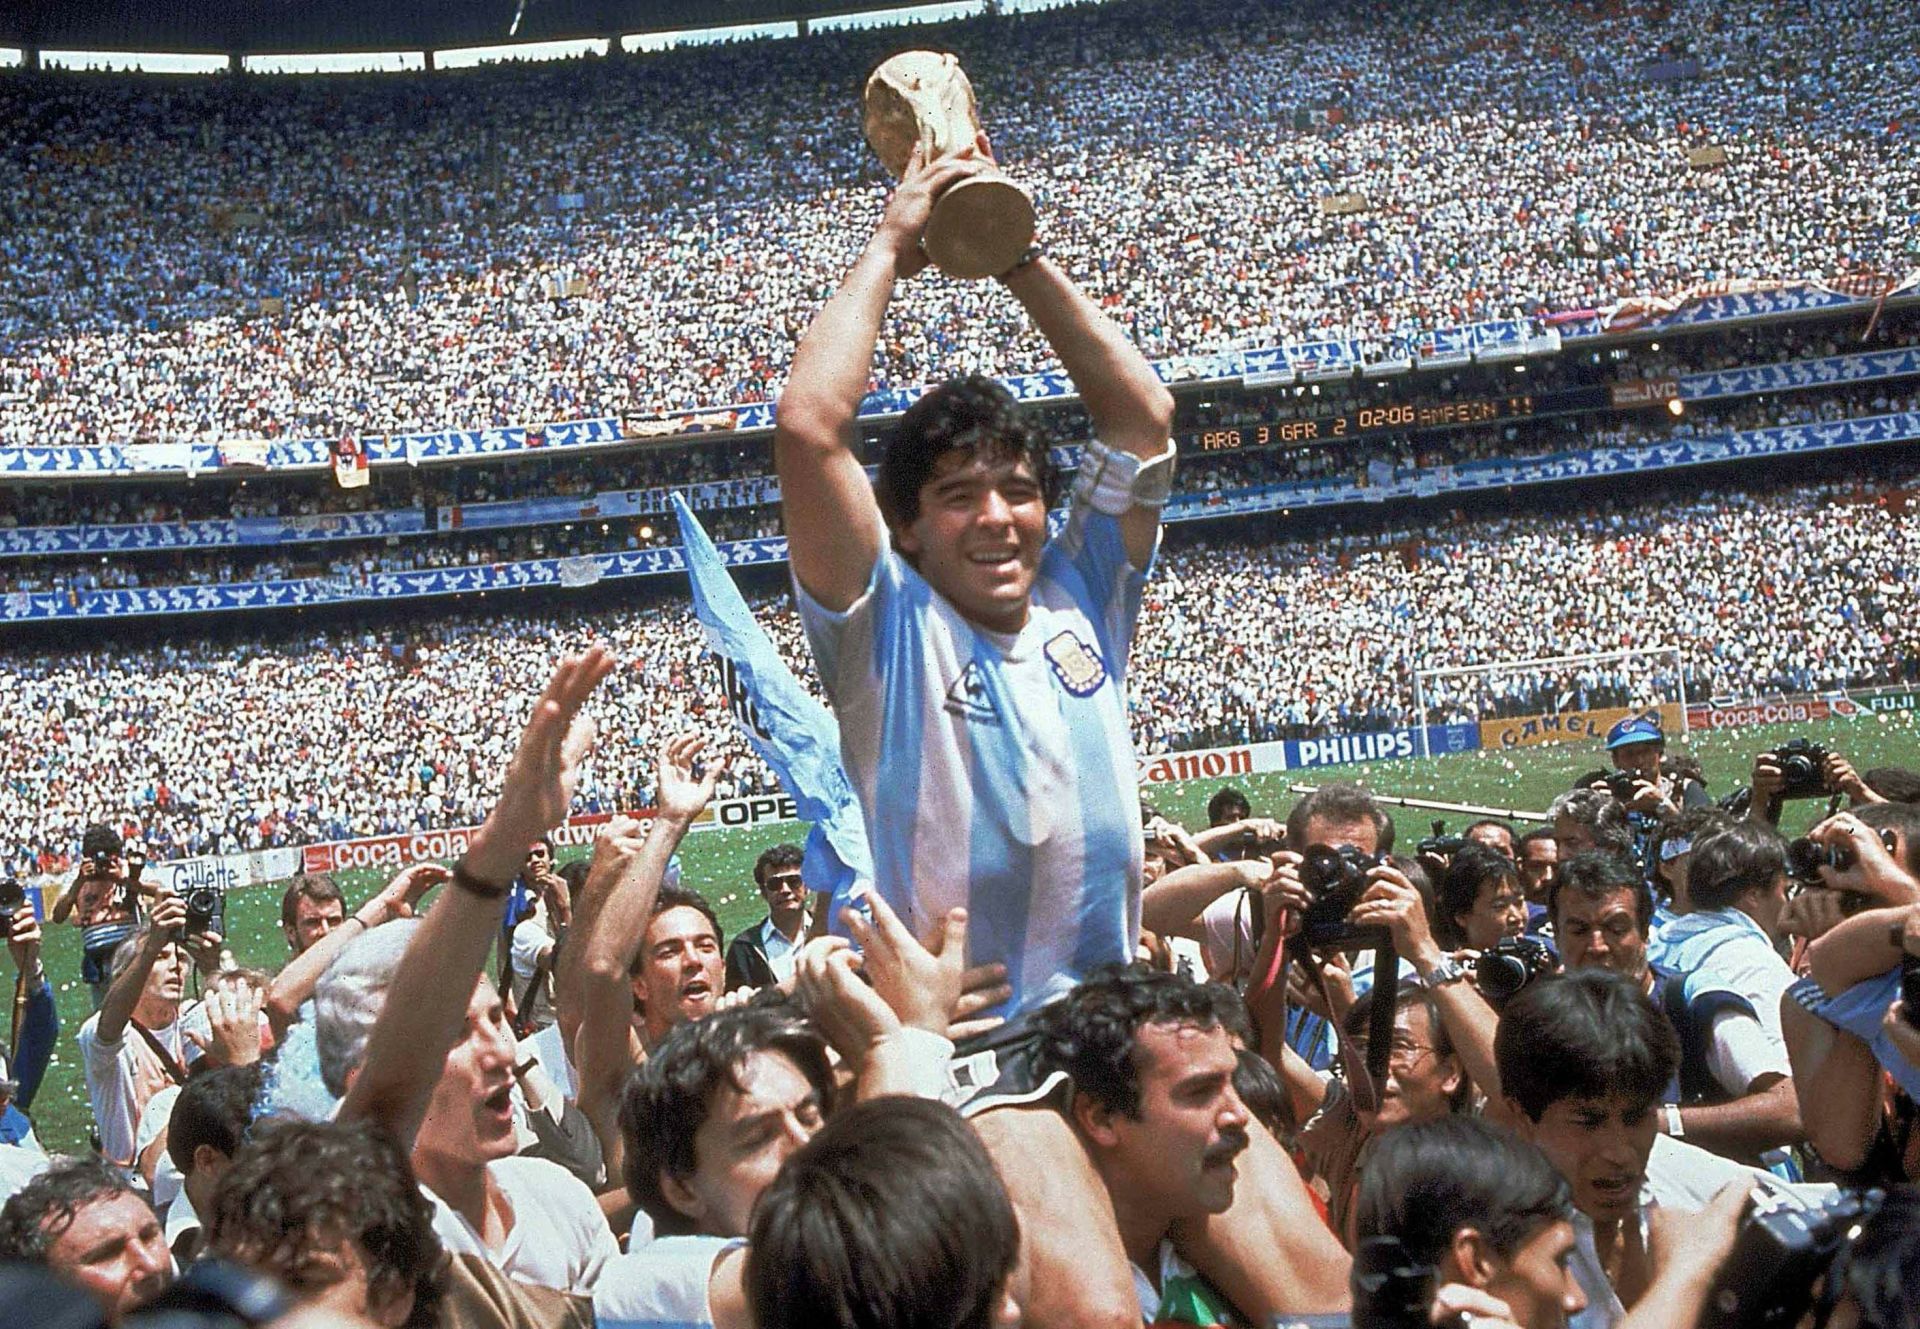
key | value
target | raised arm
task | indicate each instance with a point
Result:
(1132, 411)
(426, 1008)
(294, 984)
(834, 529)
(163, 927)
(634, 868)
(1172, 906)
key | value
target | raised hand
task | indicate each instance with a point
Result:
(545, 769)
(912, 202)
(233, 1021)
(679, 794)
(920, 984)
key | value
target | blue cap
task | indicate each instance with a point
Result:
(1635, 729)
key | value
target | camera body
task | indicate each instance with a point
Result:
(1783, 1248)
(1802, 764)
(1335, 879)
(1623, 785)
(206, 907)
(1440, 844)
(1806, 857)
(1509, 965)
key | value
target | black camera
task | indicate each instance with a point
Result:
(1803, 767)
(1623, 785)
(1335, 879)
(13, 897)
(1440, 844)
(205, 907)
(1806, 857)
(1509, 965)
(1390, 1288)
(1783, 1248)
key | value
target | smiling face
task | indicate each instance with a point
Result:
(978, 536)
(681, 970)
(1601, 1146)
(1421, 1081)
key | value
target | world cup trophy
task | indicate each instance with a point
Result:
(981, 226)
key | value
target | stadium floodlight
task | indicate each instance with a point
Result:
(1664, 672)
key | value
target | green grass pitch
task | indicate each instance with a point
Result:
(720, 863)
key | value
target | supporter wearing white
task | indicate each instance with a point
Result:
(1737, 882)
(531, 958)
(136, 1044)
(412, 1033)
(977, 668)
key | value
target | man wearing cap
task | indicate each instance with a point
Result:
(1636, 745)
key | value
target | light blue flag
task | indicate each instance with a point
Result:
(793, 733)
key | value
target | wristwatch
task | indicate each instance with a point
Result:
(1444, 971)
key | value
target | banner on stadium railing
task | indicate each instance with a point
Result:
(1776, 710)
(1210, 763)
(224, 872)
(1382, 745)
(1571, 726)
(390, 853)
(1787, 441)
(1830, 371)
(32, 541)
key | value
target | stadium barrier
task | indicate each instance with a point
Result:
(1527, 731)
(587, 569)
(1504, 339)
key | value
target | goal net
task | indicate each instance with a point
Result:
(1554, 699)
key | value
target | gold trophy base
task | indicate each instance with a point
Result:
(979, 227)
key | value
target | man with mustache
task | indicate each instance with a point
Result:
(1151, 1058)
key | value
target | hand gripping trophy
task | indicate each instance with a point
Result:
(981, 226)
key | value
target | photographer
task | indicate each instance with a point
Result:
(1799, 769)
(137, 1042)
(1839, 1036)
(102, 902)
(1635, 745)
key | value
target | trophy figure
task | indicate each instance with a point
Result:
(980, 227)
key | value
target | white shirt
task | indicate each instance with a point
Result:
(557, 1237)
(123, 1075)
(782, 954)
(661, 1284)
(18, 1166)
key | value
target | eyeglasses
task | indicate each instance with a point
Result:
(1402, 1054)
(787, 882)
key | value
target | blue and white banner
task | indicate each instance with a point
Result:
(1384, 745)
(31, 541)
(1789, 441)
(750, 492)
(1831, 371)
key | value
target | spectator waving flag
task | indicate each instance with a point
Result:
(792, 732)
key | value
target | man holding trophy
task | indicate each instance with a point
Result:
(977, 668)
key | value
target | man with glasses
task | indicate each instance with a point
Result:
(764, 956)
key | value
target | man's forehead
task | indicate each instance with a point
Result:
(681, 920)
(1359, 832)
(1171, 1049)
(1575, 904)
(991, 461)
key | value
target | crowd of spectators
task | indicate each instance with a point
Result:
(348, 733)
(434, 272)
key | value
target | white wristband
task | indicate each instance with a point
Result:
(1675, 1127)
(928, 1054)
(1112, 481)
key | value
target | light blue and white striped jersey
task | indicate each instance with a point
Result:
(996, 772)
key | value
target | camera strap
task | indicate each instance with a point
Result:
(168, 1061)
(1364, 1075)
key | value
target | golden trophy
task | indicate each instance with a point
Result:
(980, 226)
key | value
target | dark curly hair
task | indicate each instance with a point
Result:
(42, 1210)
(300, 1185)
(780, 856)
(668, 1097)
(1091, 1033)
(975, 415)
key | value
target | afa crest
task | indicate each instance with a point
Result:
(1076, 664)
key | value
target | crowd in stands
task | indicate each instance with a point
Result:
(421, 233)
(1797, 589)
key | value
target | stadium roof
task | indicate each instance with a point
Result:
(366, 25)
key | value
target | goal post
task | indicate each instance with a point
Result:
(1642, 678)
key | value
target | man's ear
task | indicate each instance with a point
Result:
(1523, 1125)
(678, 1194)
(905, 541)
(1095, 1121)
(1469, 1259)
(1451, 1085)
